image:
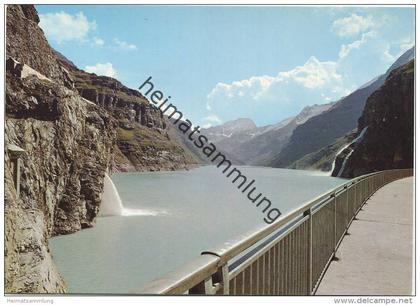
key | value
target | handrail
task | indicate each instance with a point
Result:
(232, 248)
(209, 272)
(181, 280)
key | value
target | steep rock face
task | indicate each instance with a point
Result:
(143, 142)
(68, 145)
(63, 137)
(389, 117)
(326, 128)
(26, 41)
(324, 159)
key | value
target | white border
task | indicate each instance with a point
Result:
(193, 300)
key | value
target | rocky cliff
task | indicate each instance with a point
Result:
(326, 128)
(143, 141)
(388, 121)
(323, 159)
(64, 129)
(65, 146)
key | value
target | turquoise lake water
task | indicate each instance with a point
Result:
(177, 216)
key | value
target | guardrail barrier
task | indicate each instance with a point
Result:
(288, 257)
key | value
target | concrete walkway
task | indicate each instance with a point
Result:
(377, 257)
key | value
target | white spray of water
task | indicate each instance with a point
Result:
(343, 165)
(356, 141)
(335, 158)
(139, 212)
(111, 204)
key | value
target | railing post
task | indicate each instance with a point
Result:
(346, 190)
(309, 260)
(335, 220)
(221, 277)
(225, 279)
(219, 281)
(204, 287)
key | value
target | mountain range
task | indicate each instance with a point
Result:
(309, 140)
(243, 141)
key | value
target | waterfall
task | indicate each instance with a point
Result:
(343, 165)
(356, 141)
(111, 204)
(336, 155)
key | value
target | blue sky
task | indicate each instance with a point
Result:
(220, 63)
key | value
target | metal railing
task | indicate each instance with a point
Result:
(288, 257)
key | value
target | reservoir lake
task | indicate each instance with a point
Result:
(169, 219)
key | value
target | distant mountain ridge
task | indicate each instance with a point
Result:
(245, 143)
(229, 129)
(308, 140)
(324, 129)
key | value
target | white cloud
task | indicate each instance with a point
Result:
(258, 96)
(255, 87)
(346, 49)
(98, 42)
(314, 74)
(387, 56)
(124, 45)
(352, 25)
(62, 26)
(105, 69)
(268, 98)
